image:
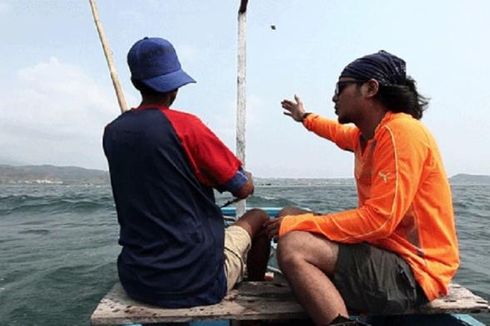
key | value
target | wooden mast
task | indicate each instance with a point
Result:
(108, 55)
(241, 93)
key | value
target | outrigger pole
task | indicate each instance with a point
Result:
(241, 93)
(108, 55)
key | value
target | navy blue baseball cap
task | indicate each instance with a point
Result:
(154, 62)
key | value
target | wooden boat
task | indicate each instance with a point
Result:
(273, 301)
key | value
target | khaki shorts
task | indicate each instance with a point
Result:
(237, 245)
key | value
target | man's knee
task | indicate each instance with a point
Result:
(290, 249)
(298, 247)
(253, 221)
(258, 215)
(291, 210)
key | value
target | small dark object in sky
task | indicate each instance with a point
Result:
(273, 27)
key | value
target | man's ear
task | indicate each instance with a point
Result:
(171, 96)
(371, 88)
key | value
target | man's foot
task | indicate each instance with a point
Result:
(344, 321)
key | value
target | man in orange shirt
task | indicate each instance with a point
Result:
(398, 249)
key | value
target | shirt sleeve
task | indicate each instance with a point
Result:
(212, 162)
(344, 136)
(235, 183)
(398, 164)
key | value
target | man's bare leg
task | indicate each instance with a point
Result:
(306, 260)
(258, 256)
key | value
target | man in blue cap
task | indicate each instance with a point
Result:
(164, 165)
(398, 249)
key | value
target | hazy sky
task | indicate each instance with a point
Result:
(56, 94)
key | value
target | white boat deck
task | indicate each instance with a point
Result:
(253, 301)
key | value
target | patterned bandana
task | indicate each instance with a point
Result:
(386, 68)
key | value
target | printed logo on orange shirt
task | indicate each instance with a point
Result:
(384, 176)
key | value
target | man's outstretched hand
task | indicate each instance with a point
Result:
(294, 109)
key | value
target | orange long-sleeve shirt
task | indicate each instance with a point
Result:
(405, 203)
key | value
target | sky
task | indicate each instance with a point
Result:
(57, 96)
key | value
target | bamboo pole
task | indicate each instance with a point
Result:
(108, 55)
(241, 93)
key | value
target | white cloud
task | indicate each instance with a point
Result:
(55, 113)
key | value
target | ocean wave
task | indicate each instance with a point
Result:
(59, 243)
(21, 205)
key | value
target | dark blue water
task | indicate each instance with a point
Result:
(58, 244)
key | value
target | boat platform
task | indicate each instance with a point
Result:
(271, 300)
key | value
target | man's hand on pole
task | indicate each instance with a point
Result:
(294, 109)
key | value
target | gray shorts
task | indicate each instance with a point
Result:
(376, 281)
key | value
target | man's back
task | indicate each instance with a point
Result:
(164, 165)
(426, 235)
(171, 229)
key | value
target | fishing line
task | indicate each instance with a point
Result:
(229, 202)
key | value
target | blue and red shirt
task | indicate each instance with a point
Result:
(164, 165)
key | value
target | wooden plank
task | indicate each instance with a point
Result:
(252, 301)
(458, 300)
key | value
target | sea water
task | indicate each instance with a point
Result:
(58, 243)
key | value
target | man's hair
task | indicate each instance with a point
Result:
(403, 98)
(146, 90)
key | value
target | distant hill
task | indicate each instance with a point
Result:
(470, 179)
(50, 174)
(302, 182)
